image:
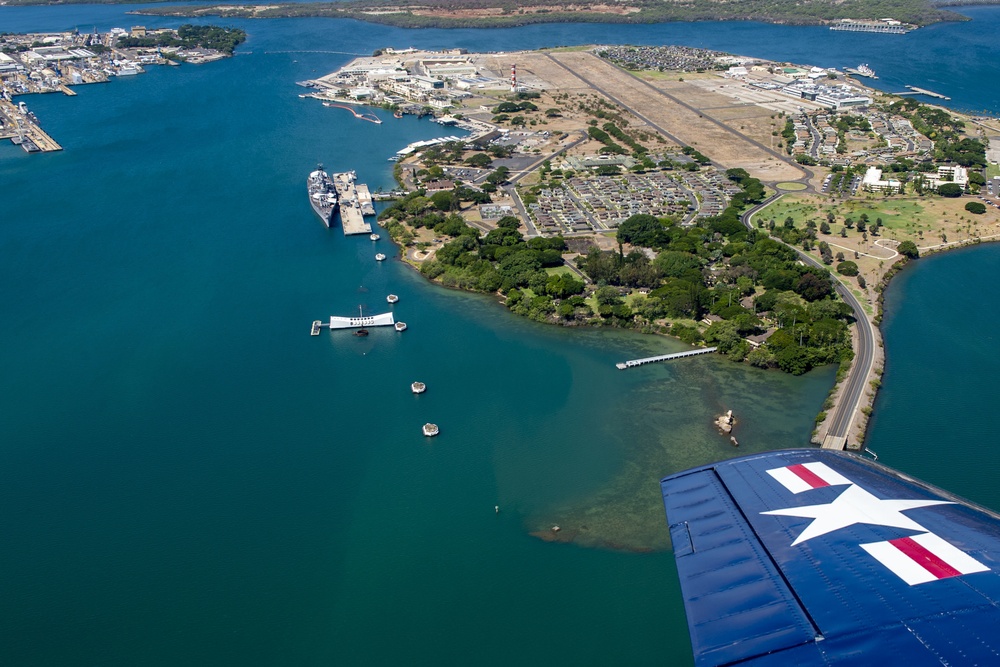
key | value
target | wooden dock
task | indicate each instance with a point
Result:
(663, 357)
(352, 218)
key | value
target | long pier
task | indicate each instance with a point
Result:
(22, 130)
(928, 93)
(352, 217)
(663, 357)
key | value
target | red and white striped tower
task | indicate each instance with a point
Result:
(513, 78)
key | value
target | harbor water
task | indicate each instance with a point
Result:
(188, 477)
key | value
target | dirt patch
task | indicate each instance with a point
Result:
(680, 120)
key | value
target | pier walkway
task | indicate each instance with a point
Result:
(664, 357)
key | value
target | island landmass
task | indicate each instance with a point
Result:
(504, 14)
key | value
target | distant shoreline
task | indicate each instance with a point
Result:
(489, 14)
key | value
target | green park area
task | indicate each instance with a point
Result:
(911, 216)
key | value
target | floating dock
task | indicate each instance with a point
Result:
(663, 357)
(352, 217)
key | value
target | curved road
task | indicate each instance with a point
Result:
(854, 386)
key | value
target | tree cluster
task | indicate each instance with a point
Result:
(720, 268)
(191, 36)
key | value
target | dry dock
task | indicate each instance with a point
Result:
(352, 218)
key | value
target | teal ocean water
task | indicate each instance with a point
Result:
(934, 417)
(187, 477)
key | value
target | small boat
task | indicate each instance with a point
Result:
(379, 257)
(374, 237)
(392, 298)
(430, 430)
(400, 326)
(418, 387)
(397, 114)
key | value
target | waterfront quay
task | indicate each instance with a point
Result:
(21, 127)
(53, 62)
(352, 217)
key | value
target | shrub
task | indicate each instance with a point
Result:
(950, 190)
(847, 268)
(909, 249)
(976, 207)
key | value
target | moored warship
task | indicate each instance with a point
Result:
(322, 195)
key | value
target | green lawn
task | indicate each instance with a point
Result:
(992, 170)
(895, 213)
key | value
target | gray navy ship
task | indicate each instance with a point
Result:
(322, 195)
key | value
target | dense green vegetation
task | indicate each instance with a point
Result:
(501, 261)
(189, 37)
(743, 280)
(516, 13)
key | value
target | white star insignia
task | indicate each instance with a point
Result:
(855, 505)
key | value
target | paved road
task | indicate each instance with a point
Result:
(854, 385)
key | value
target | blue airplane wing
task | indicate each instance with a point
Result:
(818, 557)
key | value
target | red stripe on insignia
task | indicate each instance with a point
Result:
(807, 476)
(925, 558)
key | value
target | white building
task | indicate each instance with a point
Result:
(949, 174)
(872, 182)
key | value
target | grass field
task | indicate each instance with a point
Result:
(932, 223)
(899, 214)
